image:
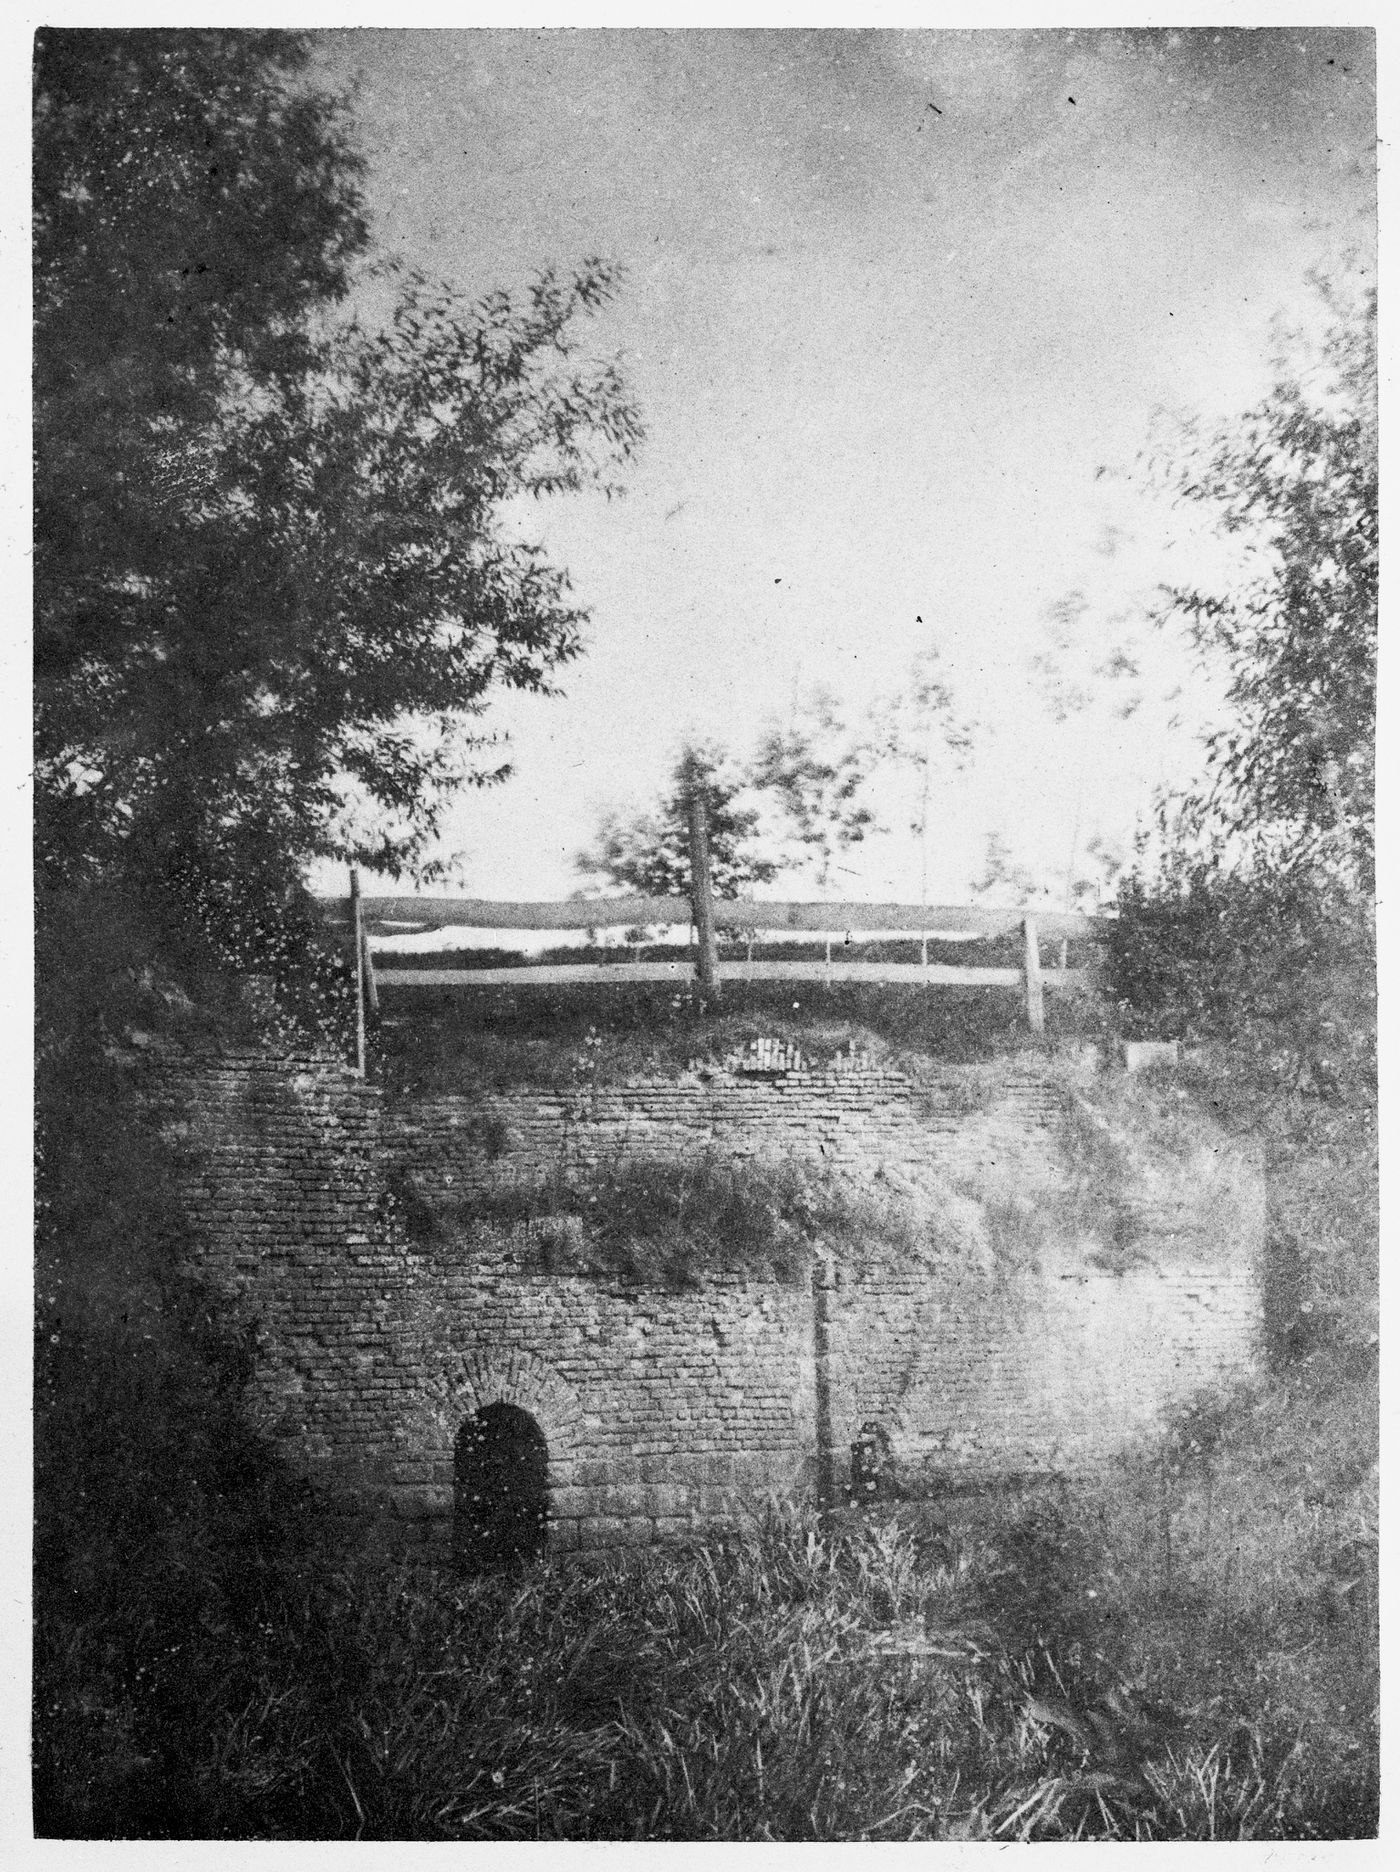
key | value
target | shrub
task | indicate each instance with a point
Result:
(1276, 961)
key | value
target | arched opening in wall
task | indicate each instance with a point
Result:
(501, 1497)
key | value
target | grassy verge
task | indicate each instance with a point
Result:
(883, 1680)
(449, 1040)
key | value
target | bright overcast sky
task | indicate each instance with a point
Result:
(892, 299)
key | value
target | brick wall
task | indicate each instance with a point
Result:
(1022, 1340)
(853, 1115)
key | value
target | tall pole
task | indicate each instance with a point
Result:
(358, 928)
(701, 898)
(823, 1279)
(923, 858)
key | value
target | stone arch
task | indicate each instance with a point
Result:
(526, 1381)
(482, 1389)
(500, 1507)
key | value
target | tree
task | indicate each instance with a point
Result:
(274, 585)
(1084, 676)
(1252, 922)
(1294, 484)
(649, 851)
(1003, 879)
(818, 771)
(915, 731)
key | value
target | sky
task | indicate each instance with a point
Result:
(894, 302)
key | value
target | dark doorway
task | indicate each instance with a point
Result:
(502, 1489)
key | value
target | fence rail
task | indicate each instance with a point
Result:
(936, 974)
(404, 916)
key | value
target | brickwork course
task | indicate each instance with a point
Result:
(1032, 1335)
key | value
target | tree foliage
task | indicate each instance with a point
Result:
(1259, 957)
(1253, 923)
(276, 578)
(1003, 878)
(1295, 484)
(800, 800)
(818, 772)
(916, 731)
(649, 851)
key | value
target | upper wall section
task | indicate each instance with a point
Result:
(1098, 1168)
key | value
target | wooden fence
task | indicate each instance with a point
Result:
(363, 917)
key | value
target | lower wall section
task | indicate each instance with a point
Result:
(668, 1413)
(973, 1379)
(663, 1413)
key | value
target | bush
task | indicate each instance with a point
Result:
(1275, 961)
(1270, 969)
(155, 1505)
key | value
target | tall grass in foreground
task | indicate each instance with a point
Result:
(1030, 1673)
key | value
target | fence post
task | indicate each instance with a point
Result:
(1035, 991)
(371, 986)
(357, 925)
(701, 898)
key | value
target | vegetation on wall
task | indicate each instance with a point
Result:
(670, 1222)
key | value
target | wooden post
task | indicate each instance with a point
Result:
(357, 924)
(1035, 991)
(701, 897)
(371, 985)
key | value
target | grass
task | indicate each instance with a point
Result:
(450, 1040)
(666, 1223)
(886, 1679)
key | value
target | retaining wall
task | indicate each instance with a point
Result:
(1024, 1339)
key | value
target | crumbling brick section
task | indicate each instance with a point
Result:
(670, 1412)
